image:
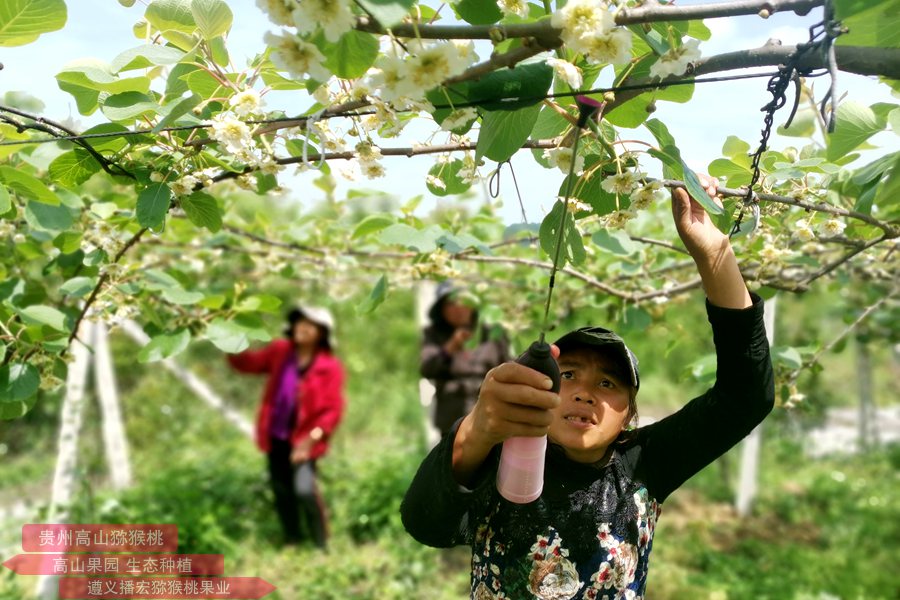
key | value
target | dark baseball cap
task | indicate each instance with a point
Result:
(598, 337)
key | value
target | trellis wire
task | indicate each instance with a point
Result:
(614, 89)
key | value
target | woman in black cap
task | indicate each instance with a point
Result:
(455, 370)
(589, 533)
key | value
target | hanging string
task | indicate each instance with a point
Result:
(494, 186)
(586, 108)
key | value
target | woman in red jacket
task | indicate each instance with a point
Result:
(301, 406)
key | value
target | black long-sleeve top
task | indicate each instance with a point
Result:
(590, 533)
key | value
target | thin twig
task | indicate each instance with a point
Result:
(102, 281)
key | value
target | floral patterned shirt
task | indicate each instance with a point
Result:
(590, 534)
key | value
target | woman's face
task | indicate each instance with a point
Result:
(456, 313)
(594, 405)
(306, 333)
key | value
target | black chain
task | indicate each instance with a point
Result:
(821, 37)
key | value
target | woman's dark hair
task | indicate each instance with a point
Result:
(297, 315)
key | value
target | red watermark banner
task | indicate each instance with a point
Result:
(99, 538)
(117, 564)
(82, 588)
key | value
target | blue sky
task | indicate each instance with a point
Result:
(102, 28)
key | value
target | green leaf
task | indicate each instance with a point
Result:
(509, 89)
(5, 202)
(855, 124)
(803, 125)
(173, 113)
(23, 21)
(503, 132)
(616, 242)
(375, 297)
(157, 280)
(78, 287)
(448, 174)
(164, 346)
(351, 56)
(27, 187)
(148, 55)
(129, 106)
(787, 356)
(630, 114)
(387, 12)
(660, 132)
(869, 23)
(734, 146)
(44, 315)
(410, 237)
(115, 142)
(888, 196)
(213, 17)
(478, 12)
(572, 249)
(203, 210)
(175, 15)
(73, 168)
(737, 175)
(47, 217)
(372, 224)
(85, 79)
(697, 191)
(588, 188)
(236, 335)
(181, 296)
(153, 204)
(894, 120)
(18, 381)
(259, 303)
(204, 85)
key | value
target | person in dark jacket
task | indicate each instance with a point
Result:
(302, 405)
(446, 358)
(590, 532)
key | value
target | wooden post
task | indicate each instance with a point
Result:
(868, 427)
(114, 439)
(749, 469)
(425, 291)
(67, 457)
(194, 383)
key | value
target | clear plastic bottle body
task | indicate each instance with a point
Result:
(520, 476)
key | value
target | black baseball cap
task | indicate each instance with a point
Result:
(598, 337)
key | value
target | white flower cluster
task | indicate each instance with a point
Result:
(232, 133)
(771, 253)
(646, 196)
(334, 17)
(588, 27)
(246, 103)
(622, 183)
(458, 118)
(513, 8)
(438, 265)
(296, 56)
(803, 229)
(562, 158)
(567, 72)
(369, 160)
(425, 67)
(676, 60)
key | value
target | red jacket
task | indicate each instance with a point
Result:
(320, 398)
